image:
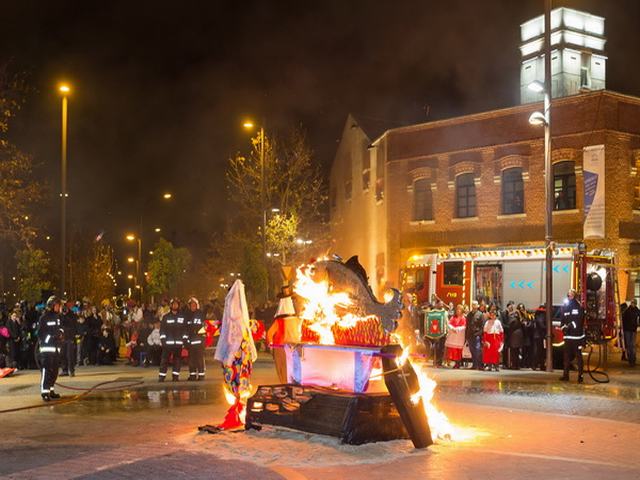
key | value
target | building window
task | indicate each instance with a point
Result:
(379, 189)
(422, 200)
(348, 186)
(564, 186)
(453, 273)
(512, 191)
(465, 196)
(366, 179)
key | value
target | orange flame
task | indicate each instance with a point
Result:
(322, 306)
(439, 424)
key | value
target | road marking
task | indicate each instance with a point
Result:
(551, 457)
(287, 473)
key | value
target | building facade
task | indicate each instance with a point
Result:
(416, 195)
(477, 182)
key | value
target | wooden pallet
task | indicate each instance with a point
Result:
(354, 418)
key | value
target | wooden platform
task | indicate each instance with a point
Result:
(354, 418)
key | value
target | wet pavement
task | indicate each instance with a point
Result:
(513, 421)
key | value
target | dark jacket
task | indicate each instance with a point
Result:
(15, 330)
(194, 322)
(540, 323)
(515, 337)
(475, 324)
(572, 320)
(70, 326)
(630, 319)
(49, 332)
(173, 330)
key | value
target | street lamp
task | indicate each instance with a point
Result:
(131, 238)
(157, 229)
(167, 196)
(64, 89)
(249, 125)
(544, 118)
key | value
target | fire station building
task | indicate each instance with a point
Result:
(406, 200)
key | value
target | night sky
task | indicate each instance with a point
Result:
(161, 88)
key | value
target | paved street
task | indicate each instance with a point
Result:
(511, 424)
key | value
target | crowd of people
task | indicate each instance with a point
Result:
(91, 334)
(483, 336)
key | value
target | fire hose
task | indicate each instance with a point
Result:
(98, 387)
(597, 374)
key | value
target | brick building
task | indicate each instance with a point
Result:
(417, 194)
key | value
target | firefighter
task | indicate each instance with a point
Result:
(172, 336)
(195, 339)
(572, 324)
(49, 342)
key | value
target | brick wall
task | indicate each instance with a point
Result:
(484, 145)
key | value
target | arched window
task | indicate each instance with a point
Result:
(564, 186)
(512, 191)
(465, 196)
(422, 200)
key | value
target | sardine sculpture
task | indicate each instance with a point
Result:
(351, 277)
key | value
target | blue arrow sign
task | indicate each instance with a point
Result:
(531, 284)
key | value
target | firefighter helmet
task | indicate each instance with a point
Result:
(52, 300)
(193, 300)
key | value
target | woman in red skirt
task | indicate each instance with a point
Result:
(492, 341)
(456, 336)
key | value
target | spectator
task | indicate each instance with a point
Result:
(630, 320)
(475, 324)
(493, 340)
(456, 336)
(154, 343)
(436, 331)
(106, 348)
(539, 333)
(514, 338)
(14, 327)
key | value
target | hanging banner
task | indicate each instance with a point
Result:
(594, 208)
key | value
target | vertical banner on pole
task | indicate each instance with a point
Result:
(594, 206)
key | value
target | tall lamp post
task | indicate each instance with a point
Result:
(64, 90)
(544, 118)
(249, 125)
(132, 238)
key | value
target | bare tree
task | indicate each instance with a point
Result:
(18, 189)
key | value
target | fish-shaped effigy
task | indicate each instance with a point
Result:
(350, 277)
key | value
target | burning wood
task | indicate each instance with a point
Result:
(340, 313)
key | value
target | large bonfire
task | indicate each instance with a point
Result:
(330, 317)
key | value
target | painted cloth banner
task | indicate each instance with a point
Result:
(594, 208)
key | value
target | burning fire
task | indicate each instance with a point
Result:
(325, 309)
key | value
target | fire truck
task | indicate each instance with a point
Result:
(517, 274)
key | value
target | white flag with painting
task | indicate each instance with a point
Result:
(594, 192)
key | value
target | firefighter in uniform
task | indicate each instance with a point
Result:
(49, 342)
(572, 324)
(172, 336)
(195, 340)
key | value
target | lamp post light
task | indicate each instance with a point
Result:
(544, 118)
(249, 125)
(132, 238)
(64, 90)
